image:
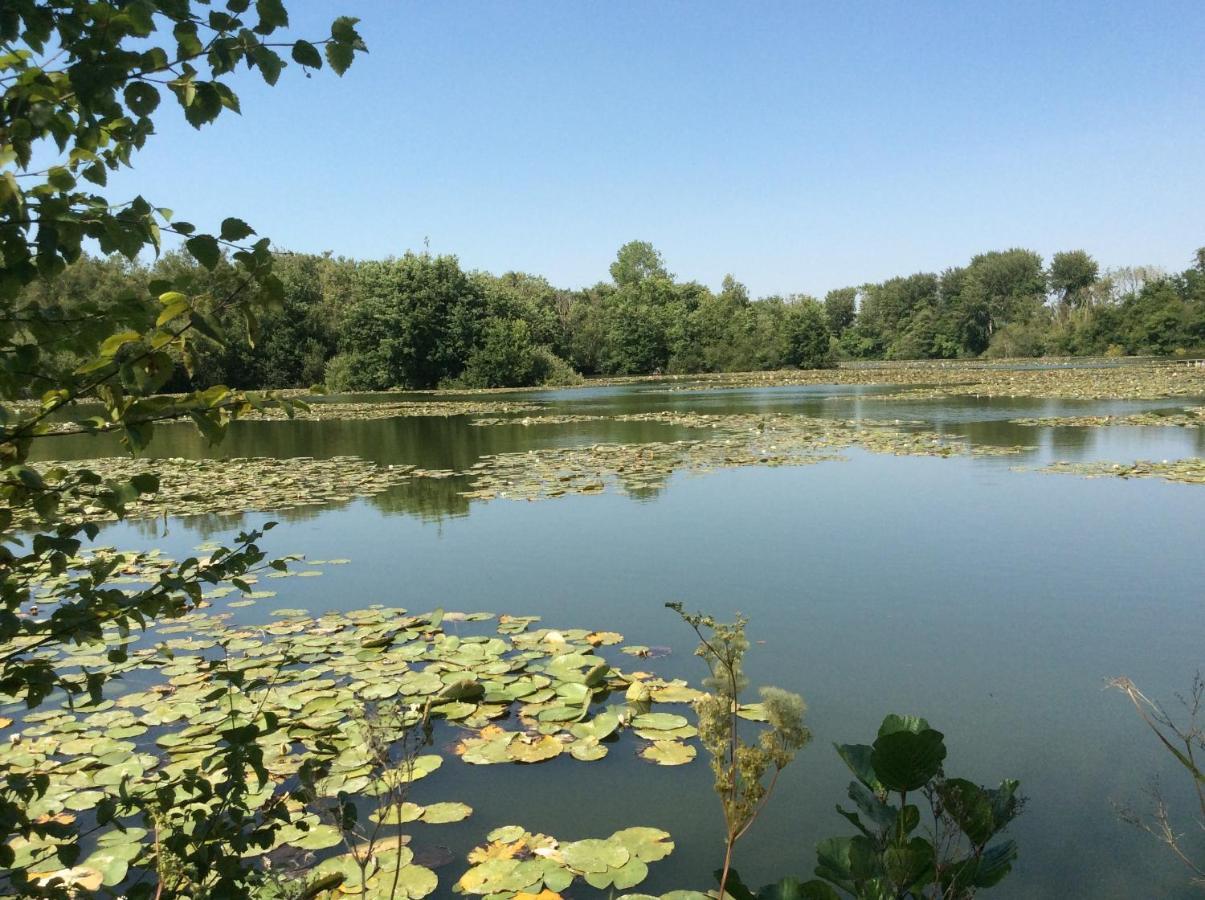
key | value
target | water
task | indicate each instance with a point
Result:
(993, 602)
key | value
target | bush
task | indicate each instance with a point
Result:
(1017, 339)
(505, 357)
(340, 369)
(553, 371)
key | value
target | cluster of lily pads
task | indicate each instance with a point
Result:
(937, 379)
(190, 487)
(513, 694)
(1184, 471)
(1128, 382)
(777, 439)
(516, 862)
(548, 419)
(1189, 417)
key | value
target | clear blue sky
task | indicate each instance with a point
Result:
(799, 146)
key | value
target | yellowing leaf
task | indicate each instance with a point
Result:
(543, 895)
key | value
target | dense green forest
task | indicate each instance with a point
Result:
(421, 321)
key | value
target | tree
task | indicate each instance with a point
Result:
(808, 338)
(733, 292)
(635, 336)
(1008, 286)
(840, 308)
(412, 324)
(81, 83)
(1071, 274)
(636, 261)
(505, 356)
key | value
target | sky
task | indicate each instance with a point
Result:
(799, 146)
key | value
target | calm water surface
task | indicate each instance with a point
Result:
(993, 602)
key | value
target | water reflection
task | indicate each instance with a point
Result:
(454, 443)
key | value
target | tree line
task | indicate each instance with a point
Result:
(421, 321)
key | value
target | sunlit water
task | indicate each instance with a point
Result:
(994, 602)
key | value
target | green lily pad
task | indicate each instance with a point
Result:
(533, 750)
(668, 753)
(659, 721)
(594, 855)
(440, 813)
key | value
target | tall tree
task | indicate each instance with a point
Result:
(1071, 274)
(840, 308)
(636, 261)
(413, 324)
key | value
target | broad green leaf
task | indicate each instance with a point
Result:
(907, 760)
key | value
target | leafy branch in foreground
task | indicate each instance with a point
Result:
(1186, 743)
(740, 768)
(79, 84)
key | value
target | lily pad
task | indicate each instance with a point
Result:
(668, 753)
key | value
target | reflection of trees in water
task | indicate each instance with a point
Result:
(430, 499)
(212, 526)
(644, 489)
(1071, 441)
(429, 442)
(452, 443)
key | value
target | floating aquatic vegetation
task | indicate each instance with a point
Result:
(336, 409)
(232, 486)
(1190, 417)
(778, 439)
(519, 696)
(1186, 471)
(1124, 382)
(567, 419)
(668, 753)
(516, 862)
(1084, 379)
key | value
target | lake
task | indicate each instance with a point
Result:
(992, 601)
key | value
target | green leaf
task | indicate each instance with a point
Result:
(202, 103)
(115, 342)
(169, 312)
(968, 805)
(141, 98)
(269, 63)
(60, 178)
(857, 758)
(441, 813)
(907, 760)
(961, 877)
(594, 855)
(235, 229)
(272, 15)
(908, 863)
(339, 56)
(307, 54)
(734, 887)
(894, 723)
(833, 861)
(881, 815)
(188, 44)
(343, 30)
(204, 249)
(995, 863)
(794, 889)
